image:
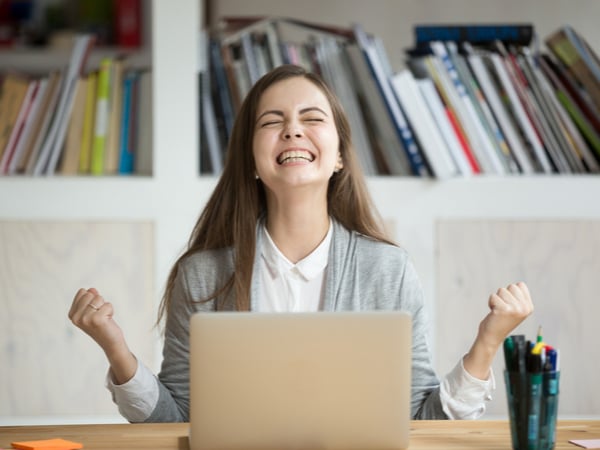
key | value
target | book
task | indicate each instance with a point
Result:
(533, 129)
(42, 127)
(101, 118)
(69, 163)
(423, 68)
(54, 140)
(128, 23)
(142, 96)
(440, 117)
(334, 66)
(210, 139)
(128, 127)
(464, 109)
(524, 128)
(89, 119)
(16, 134)
(559, 118)
(432, 143)
(14, 90)
(558, 145)
(485, 73)
(387, 148)
(220, 91)
(29, 129)
(480, 34)
(563, 44)
(579, 119)
(377, 69)
(113, 132)
(483, 109)
(578, 95)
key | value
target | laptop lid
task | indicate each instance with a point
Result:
(335, 380)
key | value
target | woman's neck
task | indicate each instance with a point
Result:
(297, 227)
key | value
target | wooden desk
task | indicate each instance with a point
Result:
(424, 435)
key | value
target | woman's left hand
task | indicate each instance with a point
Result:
(509, 307)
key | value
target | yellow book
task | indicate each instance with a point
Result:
(102, 117)
(88, 123)
(111, 155)
(13, 91)
(69, 163)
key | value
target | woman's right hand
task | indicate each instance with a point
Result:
(92, 314)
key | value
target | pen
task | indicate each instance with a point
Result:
(535, 397)
(519, 343)
(518, 386)
(509, 354)
(550, 399)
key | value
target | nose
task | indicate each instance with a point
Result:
(292, 130)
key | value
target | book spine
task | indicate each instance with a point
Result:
(87, 135)
(433, 145)
(438, 111)
(29, 129)
(481, 142)
(125, 148)
(101, 119)
(519, 34)
(405, 134)
(564, 49)
(19, 124)
(128, 23)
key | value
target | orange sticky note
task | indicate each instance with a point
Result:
(47, 444)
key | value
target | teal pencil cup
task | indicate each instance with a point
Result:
(532, 408)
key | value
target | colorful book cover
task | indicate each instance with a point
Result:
(126, 147)
(102, 117)
(88, 123)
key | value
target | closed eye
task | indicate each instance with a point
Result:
(270, 123)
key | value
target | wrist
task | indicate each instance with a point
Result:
(122, 362)
(480, 357)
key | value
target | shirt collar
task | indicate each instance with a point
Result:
(309, 267)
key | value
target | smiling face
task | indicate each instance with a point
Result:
(295, 142)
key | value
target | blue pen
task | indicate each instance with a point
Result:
(550, 398)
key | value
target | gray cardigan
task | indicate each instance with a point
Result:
(361, 274)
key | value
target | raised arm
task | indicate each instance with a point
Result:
(92, 314)
(509, 306)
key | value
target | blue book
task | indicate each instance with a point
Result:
(515, 33)
(126, 148)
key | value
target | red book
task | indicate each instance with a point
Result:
(128, 23)
(463, 141)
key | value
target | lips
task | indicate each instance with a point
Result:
(296, 155)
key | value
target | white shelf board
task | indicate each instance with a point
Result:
(135, 198)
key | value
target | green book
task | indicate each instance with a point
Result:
(102, 117)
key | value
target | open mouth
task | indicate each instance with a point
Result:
(292, 156)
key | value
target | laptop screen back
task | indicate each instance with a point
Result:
(300, 380)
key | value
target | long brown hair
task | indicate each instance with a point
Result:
(229, 218)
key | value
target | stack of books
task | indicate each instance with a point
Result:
(472, 100)
(77, 121)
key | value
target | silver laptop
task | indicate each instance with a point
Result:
(300, 380)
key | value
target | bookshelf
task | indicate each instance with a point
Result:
(519, 216)
(416, 210)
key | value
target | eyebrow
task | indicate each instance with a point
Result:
(302, 111)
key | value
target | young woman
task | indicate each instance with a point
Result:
(290, 227)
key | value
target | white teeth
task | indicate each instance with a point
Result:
(293, 156)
